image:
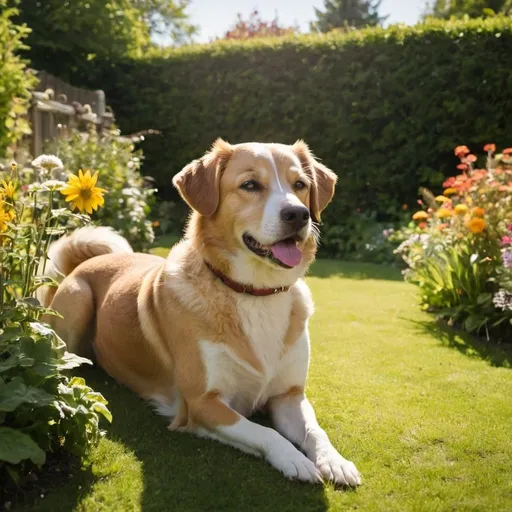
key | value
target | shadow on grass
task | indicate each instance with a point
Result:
(354, 270)
(182, 472)
(499, 355)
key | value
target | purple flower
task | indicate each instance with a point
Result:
(507, 258)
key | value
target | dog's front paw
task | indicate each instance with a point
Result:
(293, 464)
(337, 469)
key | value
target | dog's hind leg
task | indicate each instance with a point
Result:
(74, 300)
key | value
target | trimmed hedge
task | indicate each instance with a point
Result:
(383, 108)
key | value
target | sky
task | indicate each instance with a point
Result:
(214, 17)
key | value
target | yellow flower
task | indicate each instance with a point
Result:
(4, 217)
(7, 189)
(478, 212)
(442, 199)
(83, 193)
(450, 191)
(443, 213)
(476, 225)
(461, 209)
(420, 216)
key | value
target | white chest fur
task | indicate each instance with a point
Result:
(264, 321)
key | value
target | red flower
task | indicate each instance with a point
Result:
(463, 167)
(449, 182)
(507, 151)
(461, 151)
(471, 158)
(422, 225)
(490, 147)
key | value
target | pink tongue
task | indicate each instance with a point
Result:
(287, 252)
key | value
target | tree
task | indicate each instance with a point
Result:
(254, 26)
(347, 14)
(67, 35)
(472, 8)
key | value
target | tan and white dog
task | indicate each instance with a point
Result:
(220, 328)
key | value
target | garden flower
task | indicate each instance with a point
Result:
(82, 192)
(442, 199)
(461, 209)
(507, 151)
(420, 216)
(463, 167)
(7, 189)
(449, 182)
(476, 225)
(506, 240)
(471, 158)
(443, 213)
(441, 227)
(503, 300)
(423, 225)
(48, 162)
(490, 147)
(450, 191)
(461, 151)
(507, 259)
(478, 212)
(4, 218)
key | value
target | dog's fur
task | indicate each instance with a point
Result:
(206, 356)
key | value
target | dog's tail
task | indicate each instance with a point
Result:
(70, 251)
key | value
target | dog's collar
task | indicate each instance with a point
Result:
(242, 288)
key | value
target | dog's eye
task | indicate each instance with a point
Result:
(299, 185)
(250, 186)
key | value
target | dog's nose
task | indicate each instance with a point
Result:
(295, 216)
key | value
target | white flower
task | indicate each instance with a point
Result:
(48, 162)
(54, 184)
(503, 300)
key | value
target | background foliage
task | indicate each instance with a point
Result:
(15, 81)
(383, 108)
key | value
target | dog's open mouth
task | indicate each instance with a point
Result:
(285, 253)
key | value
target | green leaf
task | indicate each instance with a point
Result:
(15, 393)
(16, 446)
(103, 410)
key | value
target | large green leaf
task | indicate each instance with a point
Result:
(16, 446)
(15, 393)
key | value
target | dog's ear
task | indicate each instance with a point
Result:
(199, 182)
(323, 180)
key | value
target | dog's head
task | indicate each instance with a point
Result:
(259, 203)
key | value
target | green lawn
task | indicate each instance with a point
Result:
(426, 415)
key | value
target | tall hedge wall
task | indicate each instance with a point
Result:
(383, 108)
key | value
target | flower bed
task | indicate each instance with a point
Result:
(458, 247)
(43, 409)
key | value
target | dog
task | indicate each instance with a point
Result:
(219, 329)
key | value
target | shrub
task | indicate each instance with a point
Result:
(42, 408)
(383, 108)
(118, 164)
(459, 246)
(15, 81)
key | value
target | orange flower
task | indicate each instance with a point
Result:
(441, 227)
(463, 167)
(423, 225)
(461, 209)
(443, 213)
(449, 182)
(461, 151)
(507, 151)
(421, 215)
(490, 147)
(477, 211)
(471, 158)
(405, 207)
(450, 191)
(156, 223)
(479, 174)
(476, 225)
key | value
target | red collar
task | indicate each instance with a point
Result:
(242, 288)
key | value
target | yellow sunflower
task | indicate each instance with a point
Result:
(7, 189)
(83, 193)
(4, 218)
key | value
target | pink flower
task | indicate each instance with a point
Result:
(506, 240)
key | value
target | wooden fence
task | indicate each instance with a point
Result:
(57, 107)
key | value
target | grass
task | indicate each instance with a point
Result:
(424, 413)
